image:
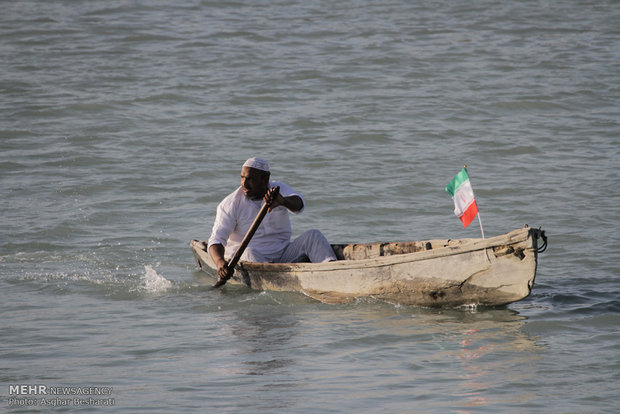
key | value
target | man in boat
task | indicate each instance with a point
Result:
(272, 241)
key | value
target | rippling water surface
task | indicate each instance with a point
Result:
(125, 123)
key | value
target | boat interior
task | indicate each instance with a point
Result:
(372, 250)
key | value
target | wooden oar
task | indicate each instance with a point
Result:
(246, 240)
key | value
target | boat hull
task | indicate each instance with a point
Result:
(434, 273)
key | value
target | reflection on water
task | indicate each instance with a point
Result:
(492, 349)
(264, 340)
(448, 358)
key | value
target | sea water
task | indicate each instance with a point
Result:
(125, 123)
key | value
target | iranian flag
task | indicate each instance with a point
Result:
(460, 189)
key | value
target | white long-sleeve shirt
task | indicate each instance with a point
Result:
(235, 215)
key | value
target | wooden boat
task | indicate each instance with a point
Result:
(431, 273)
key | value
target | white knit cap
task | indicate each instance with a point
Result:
(258, 163)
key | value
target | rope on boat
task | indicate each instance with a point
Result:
(542, 234)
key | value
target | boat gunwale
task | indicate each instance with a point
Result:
(469, 245)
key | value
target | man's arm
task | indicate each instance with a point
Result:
(293, 203)
(216, 251)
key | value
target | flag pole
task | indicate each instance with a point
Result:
(480, 222)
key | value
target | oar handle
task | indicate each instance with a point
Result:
(246, 240)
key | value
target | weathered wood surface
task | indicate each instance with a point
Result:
(448, 273)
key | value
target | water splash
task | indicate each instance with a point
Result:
(153, 282)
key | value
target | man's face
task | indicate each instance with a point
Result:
(254, 183)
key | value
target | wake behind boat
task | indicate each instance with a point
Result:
(433, 273)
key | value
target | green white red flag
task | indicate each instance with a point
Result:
(462, 194)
